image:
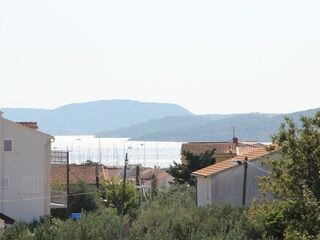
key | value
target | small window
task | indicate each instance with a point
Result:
(7, 146)
(29, 184)
(5, 182)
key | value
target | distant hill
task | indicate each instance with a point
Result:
(92, 117)
(254, 127)
(164, 125)
(150, 121)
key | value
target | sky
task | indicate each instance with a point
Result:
(208, 56)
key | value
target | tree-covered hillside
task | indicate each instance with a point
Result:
(249, 127)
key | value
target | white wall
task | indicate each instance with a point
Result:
(28, 158)
(1, 155)
(203, 191)
(227, 187)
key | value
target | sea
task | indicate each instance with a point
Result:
(112, 151)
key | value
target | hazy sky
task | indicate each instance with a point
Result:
(210, 56)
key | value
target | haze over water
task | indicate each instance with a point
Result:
(111, 151)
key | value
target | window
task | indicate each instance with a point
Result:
(29, 184)
(7, 145)
(5, 182)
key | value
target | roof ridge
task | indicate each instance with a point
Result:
(227, 164)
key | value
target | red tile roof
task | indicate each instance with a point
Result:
(112, 172)
(226, 164)
(32, 125)
(222, 148)
(246, 148)
(77, 172)
(146, 175)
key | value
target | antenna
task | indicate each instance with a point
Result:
(234, 131)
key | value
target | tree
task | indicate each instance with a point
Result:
(89, 163)
(112, 192)
(154, 186)
(138, 175)
(182, 172)
(83, 197)
(294, 181)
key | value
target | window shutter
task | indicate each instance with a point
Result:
(4, 182)
(7, 146)
(29, 184)
(33, 184)
(25, 184)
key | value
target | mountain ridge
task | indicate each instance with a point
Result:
(249, 127)
(151, 121)
(95, 116)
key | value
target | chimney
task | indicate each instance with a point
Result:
(235, 140)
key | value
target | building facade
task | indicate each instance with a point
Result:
(223, 183)
(25, 170)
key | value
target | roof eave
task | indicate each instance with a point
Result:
(216, 173)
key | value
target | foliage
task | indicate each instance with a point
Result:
(294, 182)
(138, 175)
(20, 230)
(89, 163)
(112, 192)
(58, 187)
(182, 172)
(172, 215)
(103, 224)
(186, 196)
(83, 197)
(154, 186)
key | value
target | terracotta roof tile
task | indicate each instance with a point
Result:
(245, 148)
(112, 172)
(77, 172)
(222, 148)
(226, 164)
(32, 125)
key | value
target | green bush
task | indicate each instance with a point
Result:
(172, 215)
(83, 197)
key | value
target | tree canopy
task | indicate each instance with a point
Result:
(83, 197)
(112, 192)
(294, 181)
(182, 172)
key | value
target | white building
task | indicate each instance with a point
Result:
(25, 170)
(223, 183)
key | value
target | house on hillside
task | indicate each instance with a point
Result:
(223, 150)
(223, 182)
(163, 178)
(25, 170)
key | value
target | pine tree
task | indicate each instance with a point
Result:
(182, 172)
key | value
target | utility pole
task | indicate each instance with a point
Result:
(97, 175)
(138, 183)
(244, 190)
(124, 181)
(68, 185)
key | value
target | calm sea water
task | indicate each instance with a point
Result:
(111, 151)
